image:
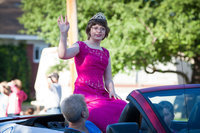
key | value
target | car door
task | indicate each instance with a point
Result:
(151, 108)
(183, 105)
(192, 103)
(169, 106)
(150, 121)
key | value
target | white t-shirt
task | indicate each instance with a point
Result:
(3, 104)
(54, 96)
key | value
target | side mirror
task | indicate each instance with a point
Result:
(123, 127)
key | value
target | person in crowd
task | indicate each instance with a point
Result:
(75, 112)
(29, 111)
(52, 105)
(16, 98)
(93, 65)
(168, 112)
(5, 92)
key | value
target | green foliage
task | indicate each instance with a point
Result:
(134, 25)
(40, 18)
(14, 64)
(63, 64)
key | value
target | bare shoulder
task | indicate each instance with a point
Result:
(75, 45)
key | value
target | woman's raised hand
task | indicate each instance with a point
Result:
(63, 25)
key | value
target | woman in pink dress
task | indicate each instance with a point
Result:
(93, 67)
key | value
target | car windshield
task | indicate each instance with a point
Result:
(177, 108)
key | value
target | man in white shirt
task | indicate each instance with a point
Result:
(52, 105)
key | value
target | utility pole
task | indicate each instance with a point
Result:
(72, 35)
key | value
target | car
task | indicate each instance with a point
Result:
(33, 124)
(143, 113)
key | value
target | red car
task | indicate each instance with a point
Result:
(164, 109)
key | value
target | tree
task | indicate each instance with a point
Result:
(14, 64)
(143, 33)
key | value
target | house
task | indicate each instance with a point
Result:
(9, 33)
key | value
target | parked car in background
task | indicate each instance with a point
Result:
(144, 113)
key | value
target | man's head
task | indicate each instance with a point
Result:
(54, 77)
(18, 83)
(168, 111)
(74, 108)
(5, 88)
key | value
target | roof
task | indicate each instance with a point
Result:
(9, 12)
(169, 87)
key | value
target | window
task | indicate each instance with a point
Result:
(192, 99)
(179, 109)
(170, 107)
(37, 52)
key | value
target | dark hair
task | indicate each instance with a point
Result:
(101, 22)
(168, 105)
(54, 75)
(159, 110)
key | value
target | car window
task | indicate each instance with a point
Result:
(180, 108)
(192, 99)
(170, 107)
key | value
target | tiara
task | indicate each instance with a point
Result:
(99, 16)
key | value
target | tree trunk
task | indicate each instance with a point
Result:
(196, 70)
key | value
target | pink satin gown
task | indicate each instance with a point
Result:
(90, 66)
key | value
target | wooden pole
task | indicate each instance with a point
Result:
(72, 34)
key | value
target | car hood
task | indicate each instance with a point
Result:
(17, 128)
